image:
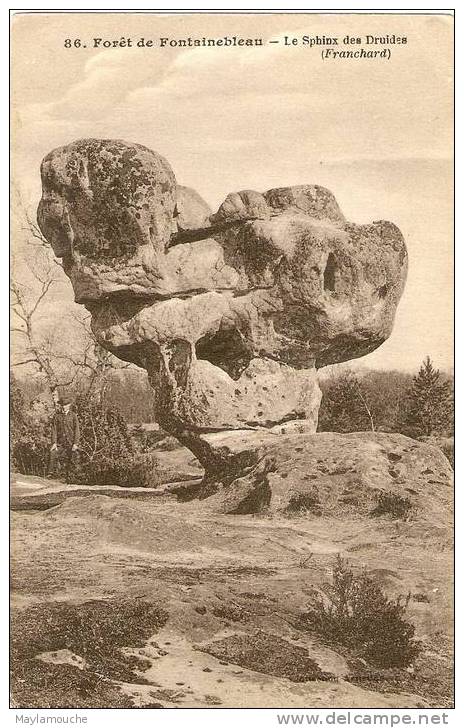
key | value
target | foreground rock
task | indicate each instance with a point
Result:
(130, 603)
(327, 473)
(229, 313)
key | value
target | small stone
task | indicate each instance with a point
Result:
(212, 700)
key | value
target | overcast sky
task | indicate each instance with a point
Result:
(378, 133)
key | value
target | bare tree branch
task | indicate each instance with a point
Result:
(89, 369)
(366, 406)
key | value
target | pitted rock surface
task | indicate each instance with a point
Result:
(328, 474)
(103, 202)
(229, 313)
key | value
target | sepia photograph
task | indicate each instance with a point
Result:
(231, 361)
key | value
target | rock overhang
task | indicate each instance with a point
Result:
(278, 280)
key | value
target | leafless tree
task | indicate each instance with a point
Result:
(25, 307)
(39, 272)
(91, 368)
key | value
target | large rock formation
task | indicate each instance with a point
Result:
(327, 474)
(230, 313)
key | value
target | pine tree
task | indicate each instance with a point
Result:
(429, 403)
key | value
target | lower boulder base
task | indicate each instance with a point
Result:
(327, 474)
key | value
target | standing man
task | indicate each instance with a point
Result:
(64, 449)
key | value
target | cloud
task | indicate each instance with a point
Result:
(269, 98)
(108, 78)
(269, 116)
(384, 109)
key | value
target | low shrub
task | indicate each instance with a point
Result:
(135, 470)
(304, 504)
(30, 451)
(353, 611)
(146, 439)
(392, 504)
(447, 446)
(107, 452)
(29, 436)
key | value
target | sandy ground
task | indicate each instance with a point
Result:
(211, 579)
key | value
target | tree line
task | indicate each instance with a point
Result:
(417, 405)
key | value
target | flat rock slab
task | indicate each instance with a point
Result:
(35, 494)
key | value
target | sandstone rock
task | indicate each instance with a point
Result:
(191, 210)
(330, 474)
(315, 201)
(103, 202)
(231, 313)
(241, 207)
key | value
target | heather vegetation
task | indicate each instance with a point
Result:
(354, 612)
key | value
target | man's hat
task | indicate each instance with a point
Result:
(64, 397)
